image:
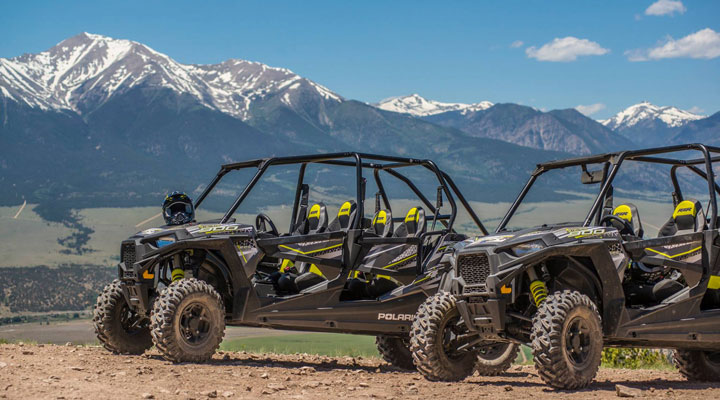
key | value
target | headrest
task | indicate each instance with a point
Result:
(317, 218)
(344, 217)
(382, 223)
(686, 213)
(629, 213)
(414, 223)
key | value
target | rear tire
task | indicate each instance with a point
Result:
(117, 327)
(432, 344)
(567, 340)
(496, 358)
(698, 365)
(396, 351)
(188, 321)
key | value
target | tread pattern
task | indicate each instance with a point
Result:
(547, 341)
(165, 311)
(425, 341)
(396, 351)
(107, 325)
(497, 366)
(694, 365)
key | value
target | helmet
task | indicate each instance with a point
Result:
(178, 209)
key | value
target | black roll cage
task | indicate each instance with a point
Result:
(612, 163)
(361, 161)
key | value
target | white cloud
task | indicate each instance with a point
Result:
(704, 43)
(696, 110)
(516, 44)
(666, 7)
(590, 109)
(565, 49)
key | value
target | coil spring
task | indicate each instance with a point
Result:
(177, 274)
(539, 292)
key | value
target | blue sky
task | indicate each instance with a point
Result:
(447, 51)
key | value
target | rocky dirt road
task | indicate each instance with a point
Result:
(69, 372)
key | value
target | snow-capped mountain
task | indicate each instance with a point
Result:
(649, 125)
(419, 106)
(672, 117)
(84, 71)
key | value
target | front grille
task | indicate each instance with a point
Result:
(127, 254)
(474, 269)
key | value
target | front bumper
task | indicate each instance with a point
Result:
(485, 317)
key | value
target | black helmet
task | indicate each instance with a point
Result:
(178, 209)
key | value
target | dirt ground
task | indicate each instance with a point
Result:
(74, 372)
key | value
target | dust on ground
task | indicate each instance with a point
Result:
(81, 372)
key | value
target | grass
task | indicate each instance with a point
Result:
(327, 344)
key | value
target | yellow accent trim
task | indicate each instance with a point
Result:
(148, 275)
(311, 251)
(686, 207)
(412, 215)
(714, 282)
(505, 290)
(623, 211)
(539, 292)
(676, 255)
(381, 217)
(398, 262)
(242, 254)
(315, 270)
(423, 279)
(314, 211)
(345, 209)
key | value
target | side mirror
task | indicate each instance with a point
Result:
(591, 177)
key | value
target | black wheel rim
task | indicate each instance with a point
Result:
(195, 323)
(453, 335)
(578, 341)
(131, 322)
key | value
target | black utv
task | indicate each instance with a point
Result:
(567, 289)
(350, 269)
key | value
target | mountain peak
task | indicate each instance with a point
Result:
(645, 111)
(418, 106)
(83, 71)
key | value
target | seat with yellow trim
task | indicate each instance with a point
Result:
(315, 222)
(413, 225)
(303, 275)
(382, 223)
(628, 212)
(688, 217)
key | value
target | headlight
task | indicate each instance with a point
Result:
(527, 247)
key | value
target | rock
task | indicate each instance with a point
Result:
(276, 386)
(147, 396)
(2, 364)
(68, 344)
(228, 394)
(624, 391)
(363, 384)
(210, 394)
(77, 368)
(27, 352)
(267, 391)
(265, 375)
(508, 388)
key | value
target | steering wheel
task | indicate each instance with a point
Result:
(606, 220)
(260, 222)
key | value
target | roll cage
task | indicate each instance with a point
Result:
(361, 162)
(611, 165)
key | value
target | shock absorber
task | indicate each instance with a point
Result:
(178, 272)
(538, 289)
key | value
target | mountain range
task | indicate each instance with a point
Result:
(96, 121)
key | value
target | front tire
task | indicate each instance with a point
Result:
(117, 327)
(396, 351)
(567, 340)
(188, 321)
(698, 365)
(433, 340)
(496, 358)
